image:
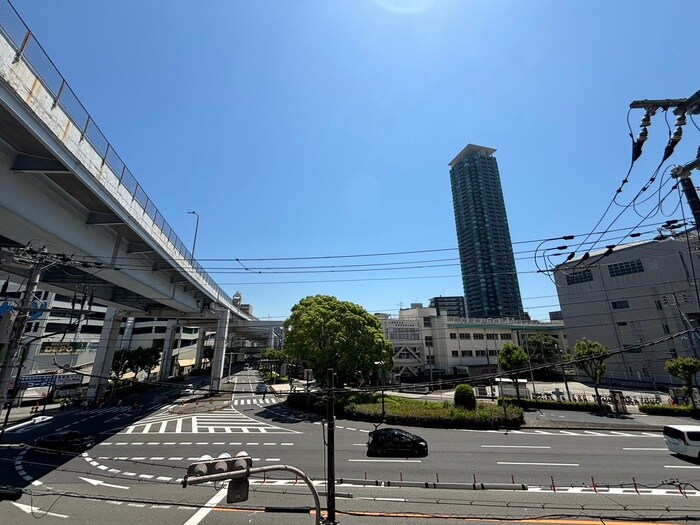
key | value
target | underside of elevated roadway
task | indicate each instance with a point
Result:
(44, 202)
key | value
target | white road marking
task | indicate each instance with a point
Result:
(514, 446)
(681, 466)
(30, 509)
(538, 464)
(640, 448)
(385, 460)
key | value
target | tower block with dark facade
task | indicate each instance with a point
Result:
(485, 249)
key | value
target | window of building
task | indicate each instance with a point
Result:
(619, 305)
(428, 340)
(453, 335)
(493, 352)
(506, 337)
(430, 359)
(478, 336)
(466, 353)
(481, 353)
(581, 276)
(625, 268)
(491, 337)
(426, 322)
(465, 336)
(659, 306)
(455, 353)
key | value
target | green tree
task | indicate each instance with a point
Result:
(323, 333)
(542, 349)
(590, 357)
(513, 361)
(145, 359)
(685, 369)
(121, 363)
(464, 397)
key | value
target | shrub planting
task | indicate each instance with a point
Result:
(464, 397)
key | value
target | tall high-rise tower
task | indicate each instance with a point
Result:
(485, 250)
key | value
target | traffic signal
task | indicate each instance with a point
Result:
(207, 466)
(10, 494)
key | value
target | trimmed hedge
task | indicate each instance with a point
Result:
(669, 410)
(411, 412)
(556, 405)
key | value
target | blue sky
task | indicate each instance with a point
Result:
(319, 128)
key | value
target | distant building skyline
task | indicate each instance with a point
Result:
(486, 256)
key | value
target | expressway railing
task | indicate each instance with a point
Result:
(103, 162)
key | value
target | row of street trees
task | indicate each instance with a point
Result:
(589, 357)
(139, 360)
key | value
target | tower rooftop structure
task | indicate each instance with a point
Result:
(470, 149)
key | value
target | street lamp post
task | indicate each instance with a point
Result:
(196, 229)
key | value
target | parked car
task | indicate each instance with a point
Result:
(66, 441)
(396, 442)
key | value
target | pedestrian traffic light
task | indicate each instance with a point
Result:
(235, 469)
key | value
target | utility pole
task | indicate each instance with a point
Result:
(18, 333)
(683, 106)
(330, 480)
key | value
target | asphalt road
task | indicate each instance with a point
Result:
(134, 472)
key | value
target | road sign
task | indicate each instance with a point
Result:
(38, 380)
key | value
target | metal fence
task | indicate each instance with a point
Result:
(28, 49)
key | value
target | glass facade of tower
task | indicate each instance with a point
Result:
(485, 249)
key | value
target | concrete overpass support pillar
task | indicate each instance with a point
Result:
(217, 365)
(101, 370)
(200, 349)
(166, 360)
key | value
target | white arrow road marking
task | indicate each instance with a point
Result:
(96, 482)
(33, 421)
(29, 509)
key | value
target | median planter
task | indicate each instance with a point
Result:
(411, 412)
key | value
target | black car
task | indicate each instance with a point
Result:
(66, 441)
(395, 442)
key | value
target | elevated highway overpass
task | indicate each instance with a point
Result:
(63, 186)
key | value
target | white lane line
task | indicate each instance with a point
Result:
(621, 433)
(514, 446)
(591, 433)
(658, 434)
(385, 460)
(538, 464)
(178, 426)
(640, 448)
(681, 466)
